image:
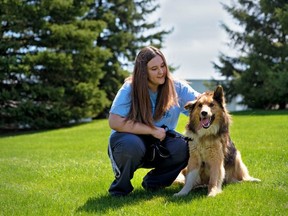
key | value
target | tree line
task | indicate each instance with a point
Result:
(64, 60)
(259, 70)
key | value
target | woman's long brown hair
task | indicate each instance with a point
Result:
(141, 109)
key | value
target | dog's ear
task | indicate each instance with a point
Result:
(219, 95)
(190, 105)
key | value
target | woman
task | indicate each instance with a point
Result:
(148, 100)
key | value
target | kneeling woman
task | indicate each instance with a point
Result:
(149, 99)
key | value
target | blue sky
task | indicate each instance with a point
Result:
(197, 38)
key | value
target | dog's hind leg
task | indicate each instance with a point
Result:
(192, 179)
(241, 170)
(180, 179)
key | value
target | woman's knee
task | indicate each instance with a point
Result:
(127, 144)
(179, 150)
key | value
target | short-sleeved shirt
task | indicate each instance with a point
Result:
(122, 102)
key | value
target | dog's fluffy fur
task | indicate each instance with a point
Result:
(213, 156)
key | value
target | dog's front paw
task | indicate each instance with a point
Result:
(214, 192)
(180, 193)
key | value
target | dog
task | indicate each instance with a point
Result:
(214, 159)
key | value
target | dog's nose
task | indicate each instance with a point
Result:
(204, 113)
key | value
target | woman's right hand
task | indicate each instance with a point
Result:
(119, 124)
(159, 133)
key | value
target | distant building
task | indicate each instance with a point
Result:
(202, 86)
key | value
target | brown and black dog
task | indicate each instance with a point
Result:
(213, 156)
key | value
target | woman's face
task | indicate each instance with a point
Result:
(157, 72)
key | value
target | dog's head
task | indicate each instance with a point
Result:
(208, 113)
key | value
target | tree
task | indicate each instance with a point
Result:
(127, 31)
(50, 69)
(60, 61)
(260, 71)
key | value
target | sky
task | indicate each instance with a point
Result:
(197, 39)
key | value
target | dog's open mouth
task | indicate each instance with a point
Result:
(206, 121)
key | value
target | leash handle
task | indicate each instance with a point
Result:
(169, 132)
(173, 134)
(165, 128)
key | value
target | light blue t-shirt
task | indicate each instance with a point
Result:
(122, 102)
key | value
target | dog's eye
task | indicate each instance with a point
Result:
(200, 105)
(211, 104)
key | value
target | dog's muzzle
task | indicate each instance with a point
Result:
(206, 120)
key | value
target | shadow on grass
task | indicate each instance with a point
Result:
(105, 203)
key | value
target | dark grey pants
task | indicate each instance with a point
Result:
(128, 152)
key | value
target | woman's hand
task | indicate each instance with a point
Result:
(159, 133)
(119, 124)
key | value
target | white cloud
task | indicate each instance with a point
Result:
(197, 38)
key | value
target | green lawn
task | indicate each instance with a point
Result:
(67, 172)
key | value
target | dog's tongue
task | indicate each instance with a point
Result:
(205, 122)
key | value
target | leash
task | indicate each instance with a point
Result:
(174, 134)
(158, 149)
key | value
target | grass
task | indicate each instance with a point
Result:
(67, 172)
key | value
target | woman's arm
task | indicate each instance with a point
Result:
(120, 124)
